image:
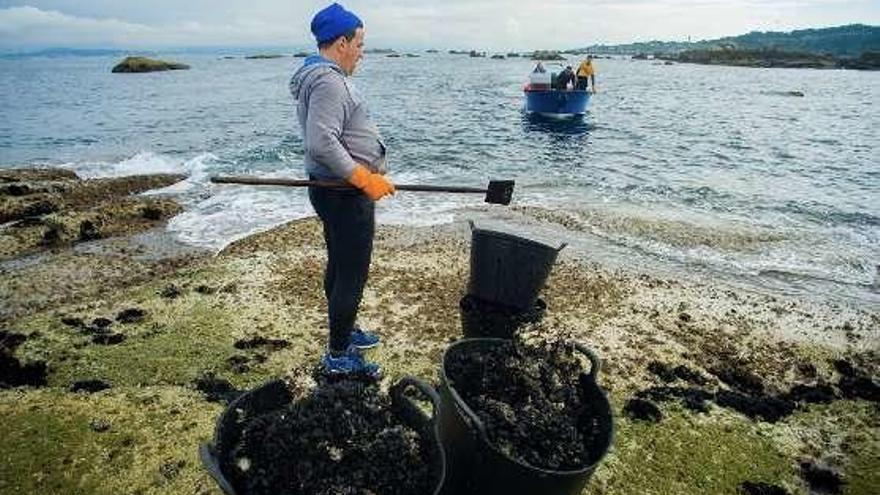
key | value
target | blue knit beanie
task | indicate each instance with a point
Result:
(332, 22)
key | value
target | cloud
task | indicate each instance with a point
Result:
(26, 25)
(480, 24)
(30, 26)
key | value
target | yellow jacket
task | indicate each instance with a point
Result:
(585, 69)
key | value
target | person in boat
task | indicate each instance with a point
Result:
(539, 68)
(565, 78)
(341, 142)
(586, 74)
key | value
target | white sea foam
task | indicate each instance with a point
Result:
(197, 170)
(230, 213)
(145, 162)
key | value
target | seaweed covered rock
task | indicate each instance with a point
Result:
(529, 401)
(144, 64)
(18, 175)
(342, 438)
(546, 55)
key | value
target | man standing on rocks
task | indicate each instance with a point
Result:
(341, 142)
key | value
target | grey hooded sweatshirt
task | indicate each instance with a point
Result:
(336, 128)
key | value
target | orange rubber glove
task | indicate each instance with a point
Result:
(375, 186)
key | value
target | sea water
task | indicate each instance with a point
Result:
(716, 173)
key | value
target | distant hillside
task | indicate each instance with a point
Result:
(844, 41)
(64, 52)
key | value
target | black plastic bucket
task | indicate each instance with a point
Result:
(274, 395)
(507, 269)
(476, 467)
(484, 319)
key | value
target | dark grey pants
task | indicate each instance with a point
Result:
(349, 224)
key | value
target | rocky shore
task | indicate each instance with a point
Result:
(771, 58)
(119, 350)
(144, 64)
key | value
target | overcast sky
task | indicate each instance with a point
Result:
(480, 24)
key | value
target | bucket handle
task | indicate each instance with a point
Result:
(595, 363)
(209, 461)
(471, 418)
(407, 404)
(560, 248)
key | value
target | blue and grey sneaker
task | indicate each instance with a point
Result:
(363, 339)
(352, 362)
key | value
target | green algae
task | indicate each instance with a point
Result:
(687, 455)
(844, 434)
(52, 443)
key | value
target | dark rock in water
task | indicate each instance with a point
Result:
(761, 488)
(108, 338)
(546, 55)
(15, 374)
(258, 341)
(144, 64)
(170, 292)
(131, 315)
(739, 378)
(642, 410)
(767, 408)
(216, 389)
(89, 386)
(821, 479)
(88, 231)
(812, 394)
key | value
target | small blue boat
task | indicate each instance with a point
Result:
(556, 102)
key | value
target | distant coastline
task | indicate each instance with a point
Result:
(774, 58)
(854, 46)
(849, 41)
